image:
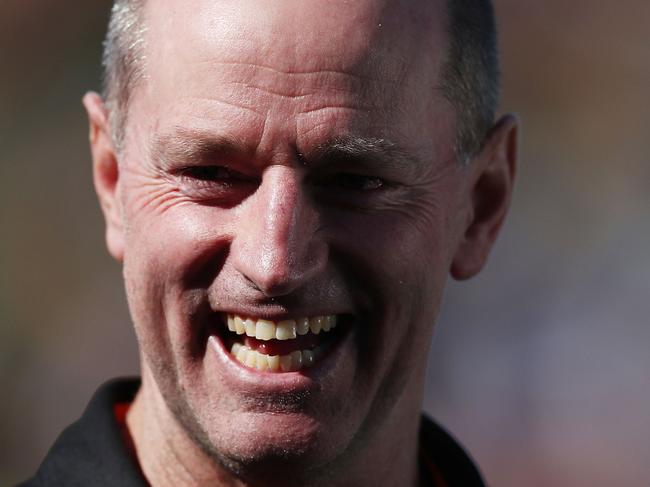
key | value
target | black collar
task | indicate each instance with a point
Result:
(439, 448)
(91, 451)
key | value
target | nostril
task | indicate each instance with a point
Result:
(280, 270)
(273, 284)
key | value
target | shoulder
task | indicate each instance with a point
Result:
(91, 451)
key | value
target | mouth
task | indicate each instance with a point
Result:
(282, 346)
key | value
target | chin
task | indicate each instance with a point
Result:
(266, 445)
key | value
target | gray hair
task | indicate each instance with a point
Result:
(469, 79)
(123, 61)
(470, 74)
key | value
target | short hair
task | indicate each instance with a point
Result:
(469, 78)
(123, 61)
(470, 74)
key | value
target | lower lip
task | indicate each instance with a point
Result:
(304, 379)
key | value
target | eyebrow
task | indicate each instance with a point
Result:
(192, 145)
(198, 146)
(366, 150)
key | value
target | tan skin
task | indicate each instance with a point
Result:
(250, 90)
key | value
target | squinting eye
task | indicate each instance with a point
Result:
(355, 182)
(208, 173)
(215, 184)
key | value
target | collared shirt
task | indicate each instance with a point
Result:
(93, 451)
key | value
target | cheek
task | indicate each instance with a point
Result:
(171, 256)
(168, 236)
(399, 253)
(397, 261)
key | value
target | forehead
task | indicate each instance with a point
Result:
(296, 34)
(299, 56)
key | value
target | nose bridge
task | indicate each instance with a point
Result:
(277, 252)
(280, 206)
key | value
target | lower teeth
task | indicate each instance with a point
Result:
(274, 363)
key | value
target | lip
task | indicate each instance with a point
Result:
(257, 381)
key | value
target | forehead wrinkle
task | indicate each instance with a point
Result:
(228, 104)
(365, 59)
(259, 79)
(289, 72)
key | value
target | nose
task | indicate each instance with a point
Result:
(276, 246)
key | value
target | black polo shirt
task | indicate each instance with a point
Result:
(92, 451)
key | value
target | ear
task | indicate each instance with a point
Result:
(106, 173)
(492, 175)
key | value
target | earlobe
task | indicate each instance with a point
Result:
(105, 172)
(492, 180)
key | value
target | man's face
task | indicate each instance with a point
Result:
(288, 161)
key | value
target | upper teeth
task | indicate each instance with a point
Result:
(281, 330)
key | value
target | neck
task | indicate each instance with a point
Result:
(168, 455)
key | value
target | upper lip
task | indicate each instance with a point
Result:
(277, 315)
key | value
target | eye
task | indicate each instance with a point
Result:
(217, 184)
(355, 182)
(208, 173)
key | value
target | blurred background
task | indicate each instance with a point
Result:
(541, 365)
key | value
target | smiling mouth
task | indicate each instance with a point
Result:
(281, 346)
